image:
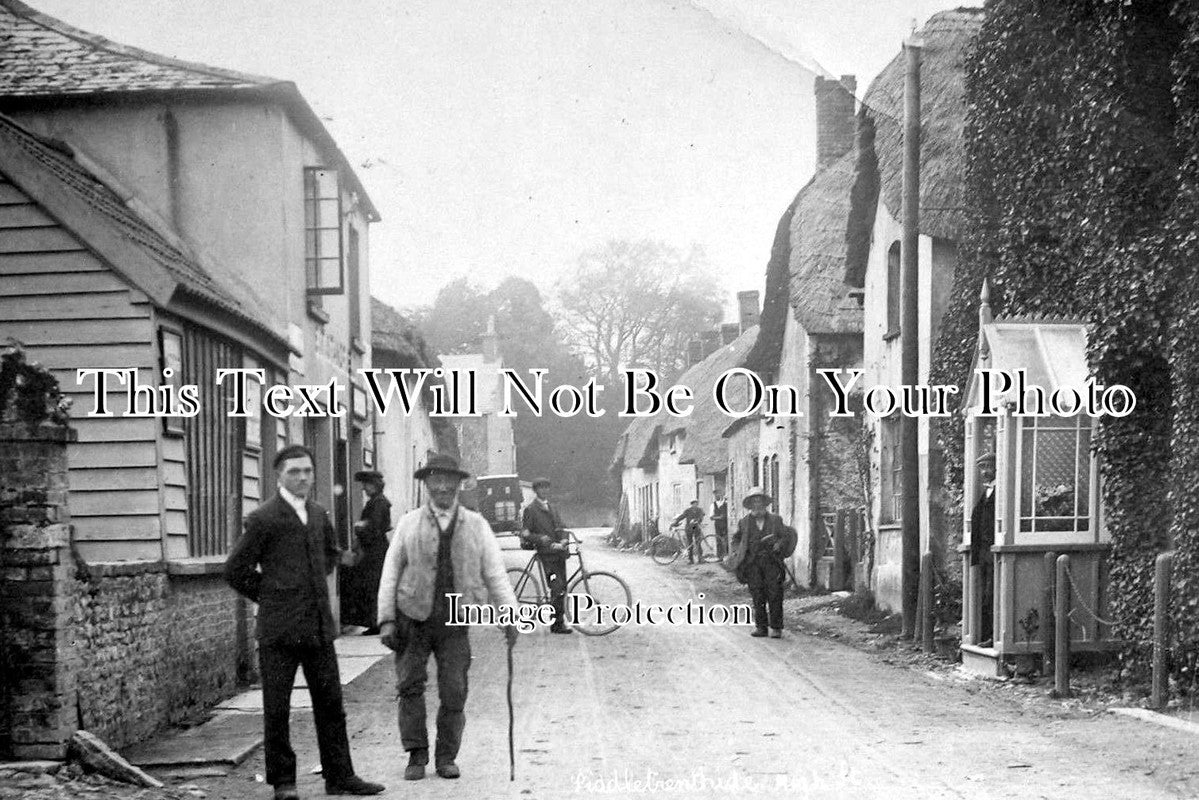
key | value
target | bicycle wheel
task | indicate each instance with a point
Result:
(664, 549)
(526, 585)
(707, 549)
(605, 591)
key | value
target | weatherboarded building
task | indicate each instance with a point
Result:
(177, 219)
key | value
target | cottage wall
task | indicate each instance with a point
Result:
(882, 366)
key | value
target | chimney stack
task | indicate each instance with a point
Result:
(695, 352)
(750, 311)
(491, 350)
(835, 128)
(729, 332)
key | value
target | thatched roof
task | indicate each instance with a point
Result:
(767, 350)
(817, 264)
(395, 338)
(704, 445)
(947, 36)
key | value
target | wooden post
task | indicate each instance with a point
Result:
(928, 621)
(836, 577)
(1161, 621)
(1061, 651)
(1047, 625)
(909, 339)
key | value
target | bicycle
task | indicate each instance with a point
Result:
(667, 547)
(604, 589)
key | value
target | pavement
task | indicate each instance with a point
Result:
(235, 730)
(706, 711)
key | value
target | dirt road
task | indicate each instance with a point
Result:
(708, 711)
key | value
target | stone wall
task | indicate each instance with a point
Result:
(155, 649)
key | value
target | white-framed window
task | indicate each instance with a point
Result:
(1056, 474)
(322, 231)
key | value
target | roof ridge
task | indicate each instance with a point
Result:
(83, 37)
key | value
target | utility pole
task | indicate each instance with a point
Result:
(909, 327)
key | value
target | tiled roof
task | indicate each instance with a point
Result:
(40, 55)
(56, 160)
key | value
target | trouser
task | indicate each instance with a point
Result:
(986, 611)
(722, 540)
(554, 565)
(766, 589)
(277, 663)
(451, 648)
(695, 541)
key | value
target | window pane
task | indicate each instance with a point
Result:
(329, 274)
(328, 242)
(310, 244)
(309, 214)
(326, 182)
(327, 214)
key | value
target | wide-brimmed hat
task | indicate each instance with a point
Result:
(757, 491)
(368, 476)
(441, 463)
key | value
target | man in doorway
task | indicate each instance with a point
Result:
(760, 546)
(440, 549)
(543, 529)
(281, 562)
(692, 519)
(982, 537)
(720, 519)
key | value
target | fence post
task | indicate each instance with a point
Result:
(1061, 611)
(1161, 621)
(1047, 623)
(926, 594)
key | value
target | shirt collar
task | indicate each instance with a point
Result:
(292, 500)
(544, 503)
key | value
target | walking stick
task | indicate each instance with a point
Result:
(511, 719)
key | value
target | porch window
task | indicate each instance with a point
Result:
(890, 471)
(1055, 478)
(322, 231)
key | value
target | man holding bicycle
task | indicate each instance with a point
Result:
(543, 530)
(694, 517)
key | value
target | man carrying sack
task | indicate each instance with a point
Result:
(760, 546)
(440, 549)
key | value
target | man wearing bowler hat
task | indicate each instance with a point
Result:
(280, 562)
(543, 528)
(360, 580)
(760, 545)
(440, 549)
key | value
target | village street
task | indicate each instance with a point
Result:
(721, 714)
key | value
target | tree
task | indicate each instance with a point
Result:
(636, 304)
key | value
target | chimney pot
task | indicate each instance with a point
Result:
(749, 308)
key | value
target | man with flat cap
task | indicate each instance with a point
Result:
(982, 537)
(360, 581)
(543, 528)
(281, 562)
(760, 545)
(440, 549)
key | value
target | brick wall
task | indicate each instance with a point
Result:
(38, 667)
(835, 125)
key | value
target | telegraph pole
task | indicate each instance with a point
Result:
(909, 326)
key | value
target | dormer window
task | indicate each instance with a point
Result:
(322, 231)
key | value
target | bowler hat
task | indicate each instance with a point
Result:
(984, 458)
(368, 476)
(441, 463)
(757, 491)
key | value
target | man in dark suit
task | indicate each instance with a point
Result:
(543, 527)
(281, 562)
(982, 537)
(760, 544)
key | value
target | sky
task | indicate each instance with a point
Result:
(507, 137)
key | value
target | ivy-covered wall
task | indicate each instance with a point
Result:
(1083, 195)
